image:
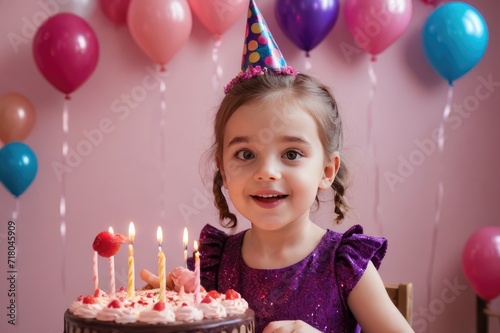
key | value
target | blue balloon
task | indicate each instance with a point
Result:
(454, 38)
(18, 167)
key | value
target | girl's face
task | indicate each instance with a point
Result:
(273, 163)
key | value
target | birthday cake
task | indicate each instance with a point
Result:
(180, 305)
(143, 312)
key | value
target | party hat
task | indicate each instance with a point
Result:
(260, 52)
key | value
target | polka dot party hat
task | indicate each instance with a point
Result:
(260, 52)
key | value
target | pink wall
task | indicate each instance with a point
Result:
(120, 178)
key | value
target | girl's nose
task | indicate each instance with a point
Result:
(268, 169)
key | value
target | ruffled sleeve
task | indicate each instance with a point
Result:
(212, 241)
(353, 254)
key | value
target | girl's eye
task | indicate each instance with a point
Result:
(245, 155)
(292, 155)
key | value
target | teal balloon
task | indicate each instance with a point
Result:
(18, 167)
(454, 37)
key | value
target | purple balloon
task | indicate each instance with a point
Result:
(306, 22)
(66, 51)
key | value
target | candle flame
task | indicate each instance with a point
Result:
(131, 232)
(111, 230)
(195, 246)
(159, 235)
(185, 237)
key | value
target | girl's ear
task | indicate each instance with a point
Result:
(330, 171)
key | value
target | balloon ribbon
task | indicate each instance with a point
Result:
(163, 107)
(216, 77)
(62, 202)
(440, 190)
(373, 146)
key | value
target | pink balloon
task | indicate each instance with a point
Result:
(481, 262)
(376, 24)
(431, 2)
(66, 51)
(218, 15)
(115, 10)
(160, 27)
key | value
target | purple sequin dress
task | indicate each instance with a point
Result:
(314, 289)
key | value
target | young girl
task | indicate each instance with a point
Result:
(278, 137)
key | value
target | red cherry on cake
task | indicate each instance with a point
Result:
(114, 304)
(88, 300)
(214, 294)
(231, 294)
(207, 299)
(107, 244)
(159, 306)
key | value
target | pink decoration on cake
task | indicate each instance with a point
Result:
(96, 272)
(183, 278)
(111, 269)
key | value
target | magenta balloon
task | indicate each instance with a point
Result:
(481, 262)
(66, 51)
(115, 10)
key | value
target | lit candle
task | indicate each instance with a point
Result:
(96, 273)
(161, 265)
(197, 296)
(111, 270)
(185, 243)
(131, 281)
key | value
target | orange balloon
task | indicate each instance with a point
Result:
(17, 117)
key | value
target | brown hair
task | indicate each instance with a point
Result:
(312, 96)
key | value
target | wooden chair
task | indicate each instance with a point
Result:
(402, 296)
(483, 313)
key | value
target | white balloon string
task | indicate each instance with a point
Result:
(216, 77)
(371, 143)
(308, 64)
(15, 212)
(163, 171)
(62, 202)
(440, 191)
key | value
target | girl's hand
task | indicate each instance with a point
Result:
(154, 281)
(289, 326)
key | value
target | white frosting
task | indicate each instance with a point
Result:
(75, 305)
(213, 310)
(235, 306)
(122, 315)
(140, 308)
(188, 313)
(88, 310)
(157, 317)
